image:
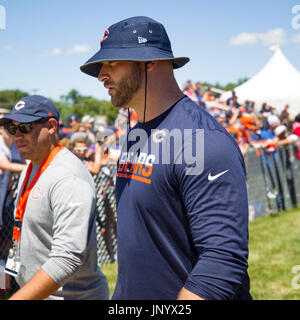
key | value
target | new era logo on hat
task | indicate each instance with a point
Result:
(142, 40)
(32, 108)
(133, 39)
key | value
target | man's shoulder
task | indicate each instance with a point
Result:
(66, 164)
(188, 114)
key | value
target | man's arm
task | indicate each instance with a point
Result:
(39, 287)
(7, 165)
(217, 212)
(185, 294)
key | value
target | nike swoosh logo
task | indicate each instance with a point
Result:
(212, 178)
(75, 204)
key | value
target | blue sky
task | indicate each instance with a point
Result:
(45, 41)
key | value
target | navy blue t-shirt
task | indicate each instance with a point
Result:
(182, 209)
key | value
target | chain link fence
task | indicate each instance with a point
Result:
(106, 220)
(273, 182)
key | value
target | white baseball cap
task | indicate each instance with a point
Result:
(272, 119)
(87, 119)
(279, 130)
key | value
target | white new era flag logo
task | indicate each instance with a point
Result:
(142, 40)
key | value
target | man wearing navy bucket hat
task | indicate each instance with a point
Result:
(182, 208)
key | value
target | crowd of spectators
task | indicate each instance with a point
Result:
(254, 126)
(88, 143)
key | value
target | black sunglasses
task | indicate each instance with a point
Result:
(23, 127)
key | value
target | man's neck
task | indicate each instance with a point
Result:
(157, 102)
(43, 156)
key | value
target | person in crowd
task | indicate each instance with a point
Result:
(242, 135)
(8, 165)
(229, 101)
(80, 131)
(282, 137)
(199, 93)
(93, 161)
(79, 148)
(63, 132)
(190, 91)
(235, 103)
(194, 241)
(65, 142)
(207, 96)
(54, 214)
(266, 110)
(296, 131)
(285, 111)
(88, 123)
(72, 120)
(296, 125)
(273, 122)
(221, 119)
(285, 119)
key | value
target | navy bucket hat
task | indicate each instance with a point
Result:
(30, 109)
(133, 39)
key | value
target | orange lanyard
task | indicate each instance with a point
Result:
(26, 191)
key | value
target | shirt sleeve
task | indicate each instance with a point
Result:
(73, 206)
(2, 149)
(217, 210)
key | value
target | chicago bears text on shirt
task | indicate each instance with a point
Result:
(137, 167)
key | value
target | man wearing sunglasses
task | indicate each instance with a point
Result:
(54, 241)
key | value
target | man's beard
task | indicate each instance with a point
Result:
(127, 87)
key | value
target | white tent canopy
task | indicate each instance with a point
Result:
(277, 84)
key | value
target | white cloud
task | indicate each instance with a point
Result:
(80, 48)
(244, 38)
(274, 36)
(51, 53)
(55, 52)
(7, 47)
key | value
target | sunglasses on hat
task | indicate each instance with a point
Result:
(23, 127)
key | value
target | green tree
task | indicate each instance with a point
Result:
(229, 86)
(74, 103)
(110, 111)
(72, 97)
(8, 98)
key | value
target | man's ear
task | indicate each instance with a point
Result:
(52, 126)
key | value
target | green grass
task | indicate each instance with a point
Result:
(274, 248)
(110, 270)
